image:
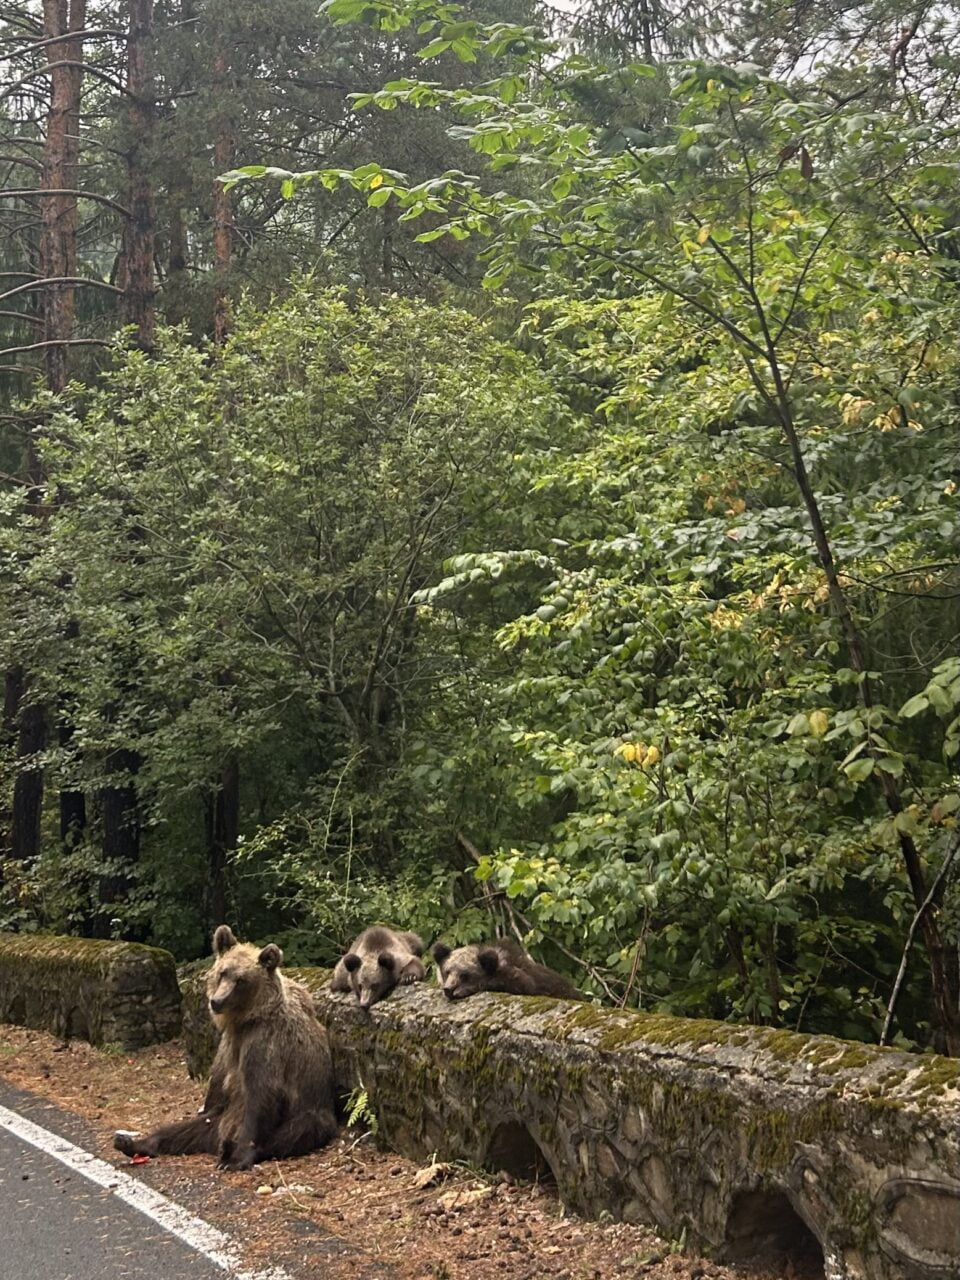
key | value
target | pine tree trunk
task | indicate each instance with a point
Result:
(12, 693)
(57, 259)
(224, 828)
(223, 149)
(139, 232)
(58, 213)
(25, 836)
(118, 801)
(73, 800)
(120, 819)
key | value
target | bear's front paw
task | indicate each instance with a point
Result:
(125, 1140)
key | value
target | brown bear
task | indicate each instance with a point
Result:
(378, 960)
(271, 1086)
(502, 965)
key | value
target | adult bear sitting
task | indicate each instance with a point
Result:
(271, 1086)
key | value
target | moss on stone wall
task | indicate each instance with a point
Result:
(101, 991)
(665, 1120)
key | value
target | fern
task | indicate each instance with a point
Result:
(360, 1110)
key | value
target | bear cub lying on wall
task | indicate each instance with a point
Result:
(502, 965)
(271, 1086)
(378, 960)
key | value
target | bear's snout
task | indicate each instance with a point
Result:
(217, 1005)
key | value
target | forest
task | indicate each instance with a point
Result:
(491, 468)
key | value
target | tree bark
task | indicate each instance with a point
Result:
(120, 817)
(28, 787)
(139, 231)
(12, 693)
(118, 801)
(223, 149)
(224, 825)
(57, 261)
(58, 207)
(73, 800)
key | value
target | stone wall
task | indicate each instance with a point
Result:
(104, 992)
(748, 1140)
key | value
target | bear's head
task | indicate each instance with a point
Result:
(242, 975)
(374, 974)
(466, 970)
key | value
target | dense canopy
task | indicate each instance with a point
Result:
(491, 468)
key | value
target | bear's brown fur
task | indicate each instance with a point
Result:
(377, 961)
(502, 965)
(271, 1086)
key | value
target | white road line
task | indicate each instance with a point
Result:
(207, 1240)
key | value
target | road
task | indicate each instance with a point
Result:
(66, 1215)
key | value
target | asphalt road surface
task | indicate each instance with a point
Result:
(55, 1225)
(66, 1215)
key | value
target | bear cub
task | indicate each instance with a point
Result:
(378, 960)
(502, 965)
(271, 1085)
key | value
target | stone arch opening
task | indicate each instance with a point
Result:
(514, 1150)
(16, 1011)
(76, 1027)
(764, 1230)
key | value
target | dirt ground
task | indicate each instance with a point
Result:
(349, 1211)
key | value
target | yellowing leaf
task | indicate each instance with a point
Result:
(376, 181)
(819, 723)
(852, 408)
(652, 757)
(703, 235)
(431, 1174)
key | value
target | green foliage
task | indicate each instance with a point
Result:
(751, 292)
(636, 635)
(244, 534)
(359, 1110)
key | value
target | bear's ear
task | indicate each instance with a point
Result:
(223, 940)
(270, 957)
(386, 961)
(489, 961)
(440, 952)
(351, 962)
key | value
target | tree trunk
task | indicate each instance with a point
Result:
(28, 787)
(223, 149)
(73, 801)
(57, 260)
(224, 824)
(12, 693)
(118, 801)
(58, 213)
(178, 198)
(120, 818)
(137, 251)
